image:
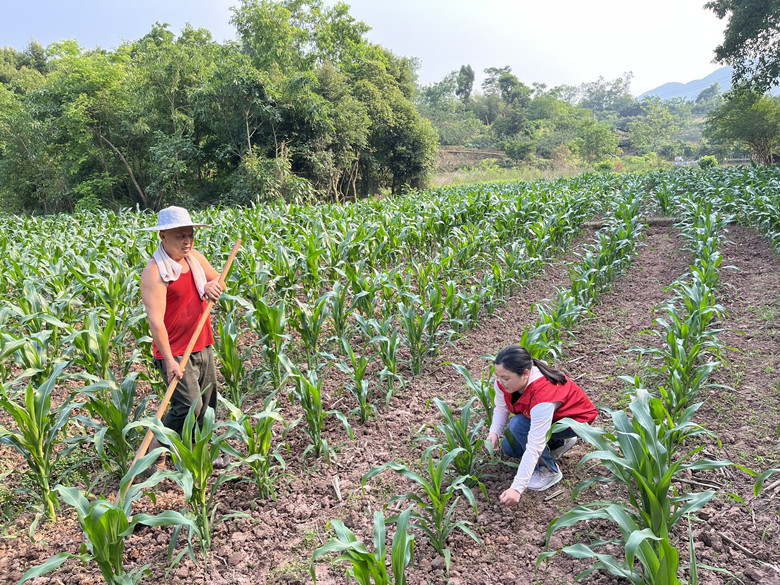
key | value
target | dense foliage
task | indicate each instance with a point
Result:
(751, 43)
(301, 105)
(589, 125)
(750, 120)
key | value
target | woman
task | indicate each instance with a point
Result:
(537, 395)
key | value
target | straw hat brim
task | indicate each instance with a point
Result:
(172, 226)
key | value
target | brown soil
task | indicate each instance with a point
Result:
(275, 543)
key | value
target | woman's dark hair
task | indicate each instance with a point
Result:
(516, 358)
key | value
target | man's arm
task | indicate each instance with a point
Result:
(213, 287)
(154, 294)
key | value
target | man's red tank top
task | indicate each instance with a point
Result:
(183, 308)
(575, 403)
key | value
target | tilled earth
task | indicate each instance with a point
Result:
(739, 533)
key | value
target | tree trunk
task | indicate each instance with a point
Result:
(129, 170)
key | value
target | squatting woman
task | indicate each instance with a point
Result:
(537, 395)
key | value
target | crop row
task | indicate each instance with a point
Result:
(646, 452)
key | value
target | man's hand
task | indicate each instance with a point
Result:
(173, 370)
(493, 438)
(510, 498)
(213, 289)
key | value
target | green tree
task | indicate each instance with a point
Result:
(341, 105)
(169, 74)
(596, 141)
(453, 119)
(751, 41)
(657, 125)
(301, 104)
(296, 35)
(56, 146)
(465, 82)
(748, 119)
(402, 144)
(29, 174)
(605, 96)
(23, 71)
(708, 99)
(509, 98)
(513, 91)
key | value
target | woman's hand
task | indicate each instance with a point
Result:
(510, 498)
(493, 438)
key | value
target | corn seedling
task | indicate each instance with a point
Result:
(37, 435)
(658, 558)
(339, 310)
(284, 265)
(106, 525)
(453, 304)
(308, 393)
(438, 311)
(112, 406)
(37, 355)
(416, 336)
(193, 453)
(459, 433)
(312, 252)
(434, 509)
(270, 323)
(256, 432)
(8, 346)
(386, 340)
(684, 367)
(364, 289)
(357, 384)
(640, 455)
(541, 340)
(232, 359)
(369, 568)
(484, 389)
(94, 346)
(308, 322)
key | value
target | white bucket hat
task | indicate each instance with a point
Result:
(171, 218)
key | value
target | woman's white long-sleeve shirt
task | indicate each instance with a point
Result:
(541, 421)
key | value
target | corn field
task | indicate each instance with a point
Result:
(355, 339)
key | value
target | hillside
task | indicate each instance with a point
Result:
(691, 89)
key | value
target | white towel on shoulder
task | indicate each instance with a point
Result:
(170, 270)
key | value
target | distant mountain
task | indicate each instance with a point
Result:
(692, 89)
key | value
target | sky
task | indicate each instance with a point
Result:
(553, 42)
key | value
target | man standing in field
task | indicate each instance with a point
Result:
(176, 285)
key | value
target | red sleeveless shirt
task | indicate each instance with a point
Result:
(574, 403)
(183, 308)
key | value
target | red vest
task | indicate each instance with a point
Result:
(574, 403)
(183, 308)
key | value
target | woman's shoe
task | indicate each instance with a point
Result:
(544, 478)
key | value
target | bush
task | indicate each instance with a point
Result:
(261, 180)
(707, 162)
(518, 149)
(639, 164)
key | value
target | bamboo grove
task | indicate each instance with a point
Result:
(372, 289)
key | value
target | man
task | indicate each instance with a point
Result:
(175, 286)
